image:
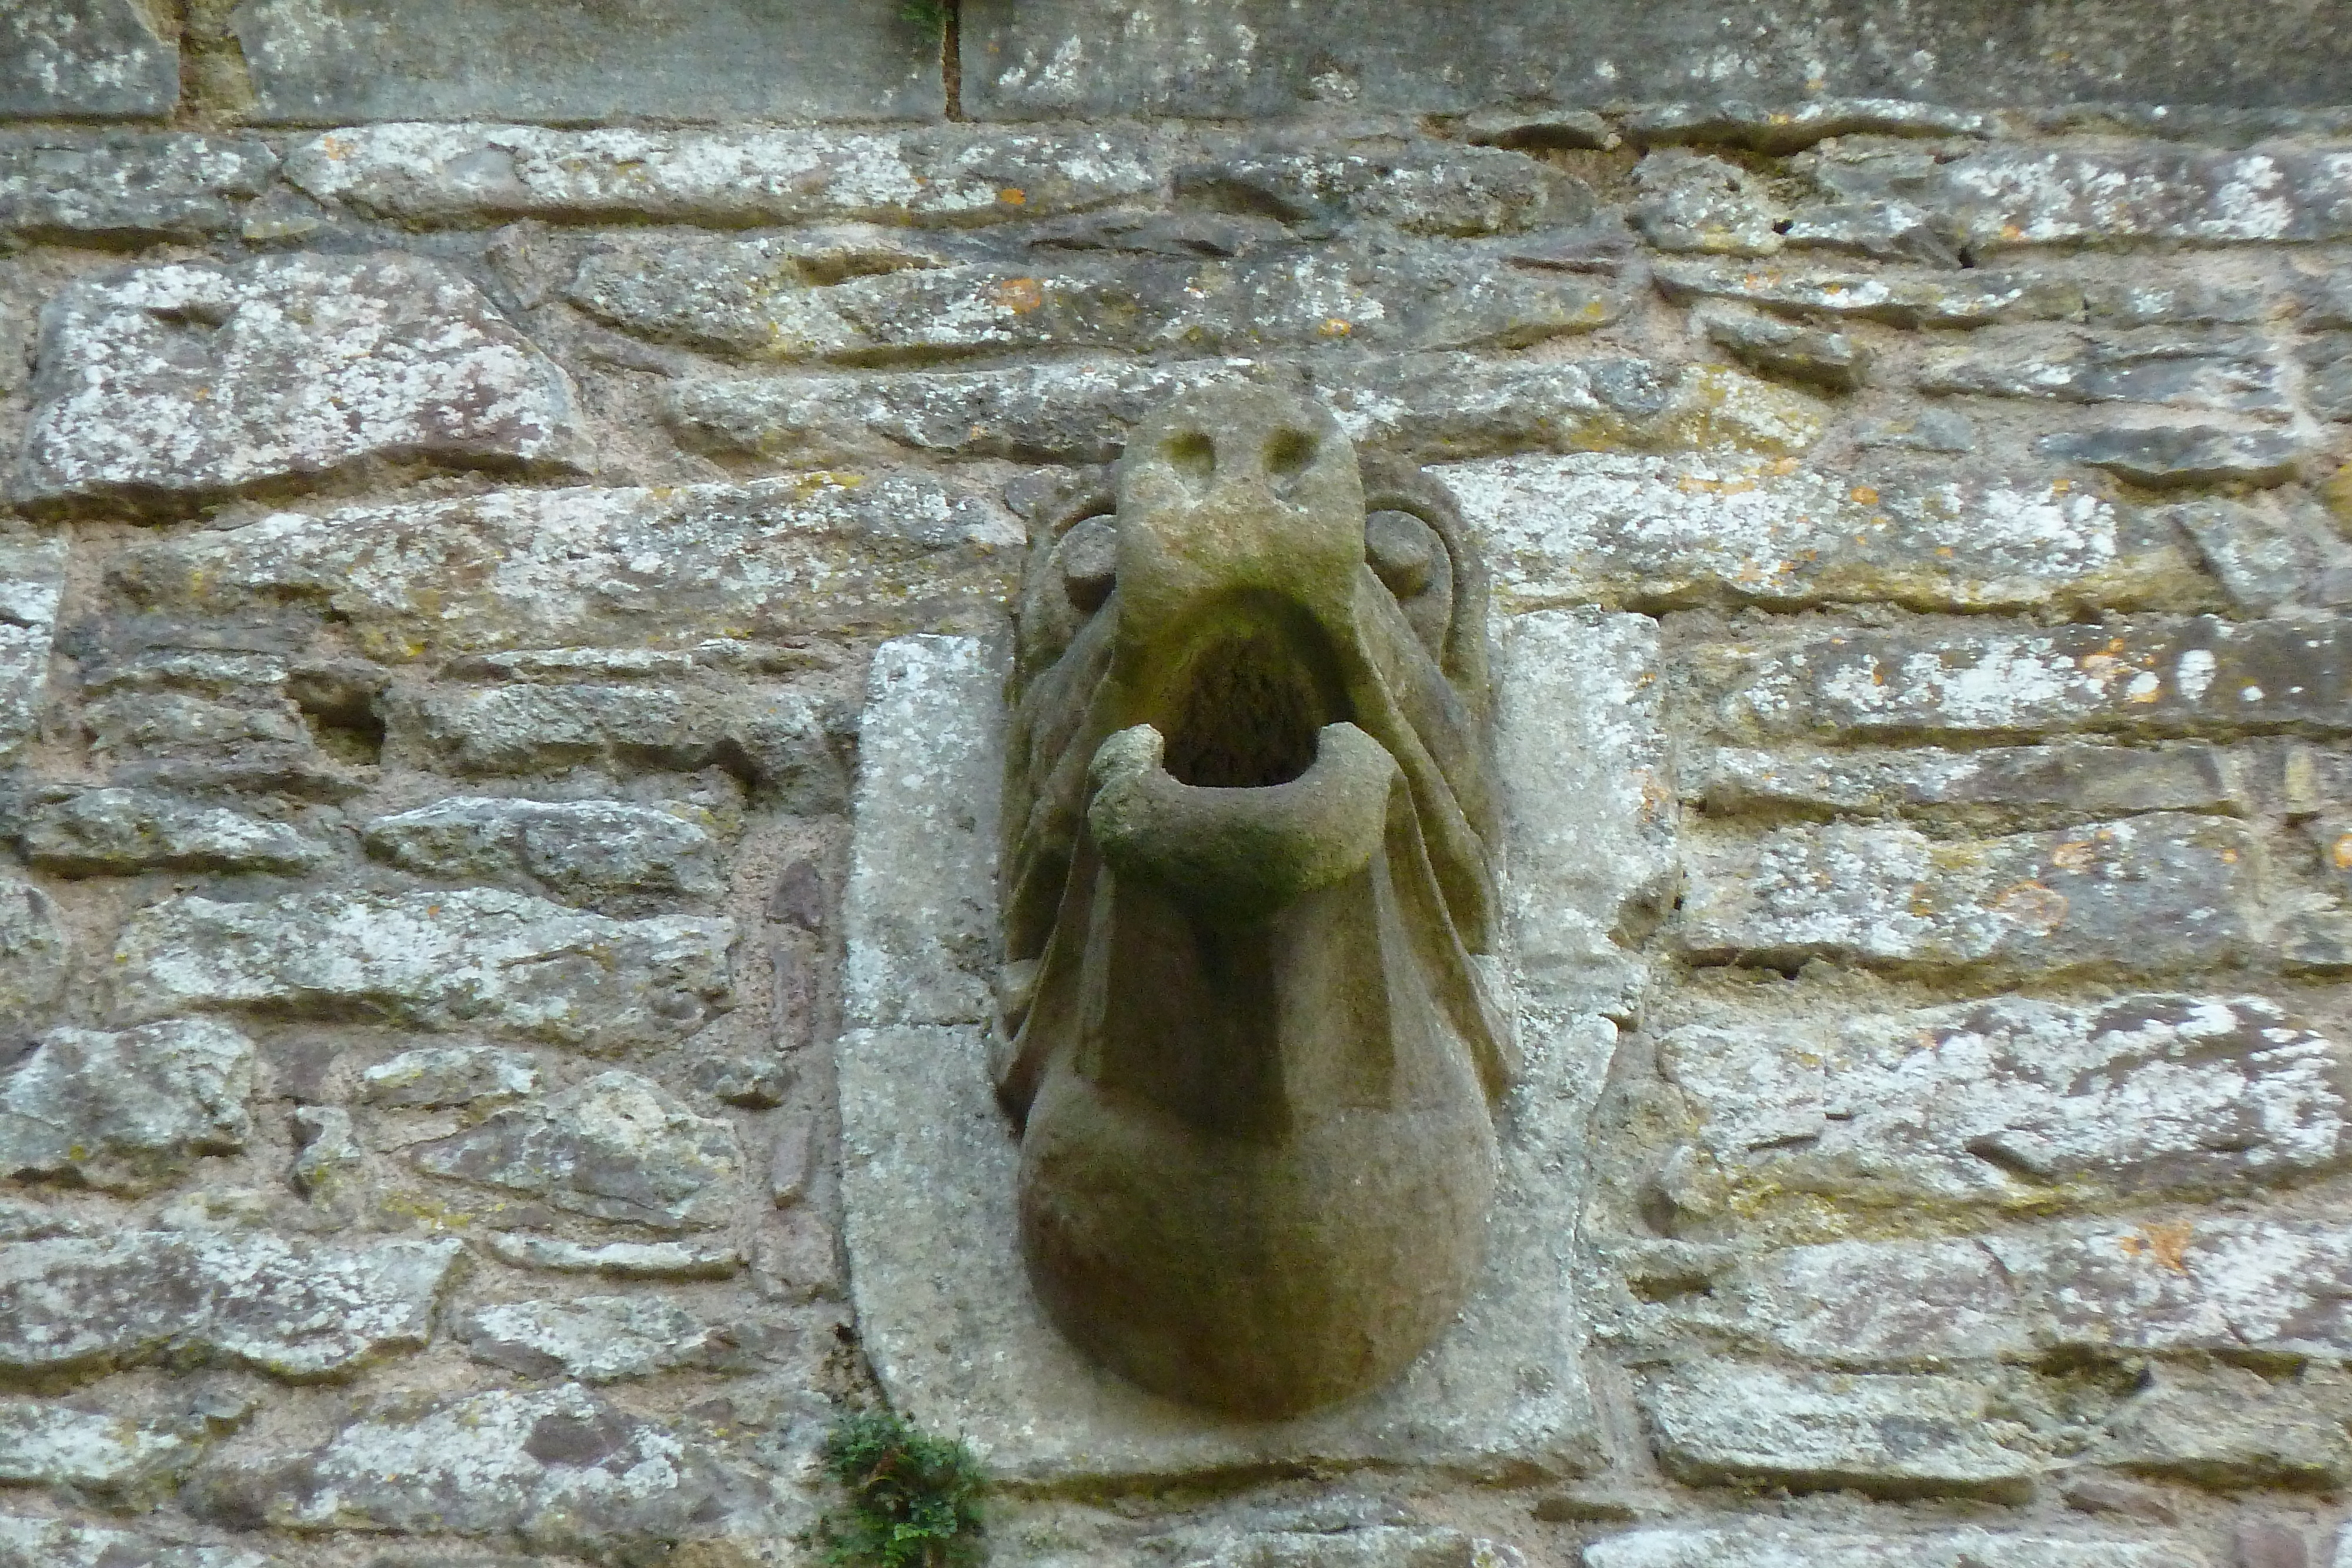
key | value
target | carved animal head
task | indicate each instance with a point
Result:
(1249, 873)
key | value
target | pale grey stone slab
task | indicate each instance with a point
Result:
(2014, 1101)
(1592, 823)
(732, 177)
(471, 958)
(1769, 1545)
(1900, 1437)
(32, 577)
(636, 567)
(161, 387)
(920, 911)
(43, 1443)
(622, 1259)
(97, 59)
(126, 1113)
(29, 1542)
(1639, 531)
(1029, 59)
(616, 1148)
(297, 1310)
(929, 1160)
(449, 1075)
(327, 61)
(556, 1470)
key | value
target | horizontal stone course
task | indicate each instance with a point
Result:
(473, 958)
(164, 387)
(748, 299)
(1544, 63)
(786, 743)
(2076, 780)
(573, 848)
(2187, 1286)
(29, 1542)
(2157, 894)
(2154, 675)
(97, 59)
(1659, 533)
(556, 1470)
(460, 174)
(129, 1111)
(127, 188)
(1888, 1436)
(615, 1147)
(2227, 374)
(314, 62)
(115, 831)
(299, 1310)
(1768, 1545)
(44, 1443)
(2014, 1103)
(539, 569)
(1429, 407)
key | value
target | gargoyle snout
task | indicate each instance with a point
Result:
(1245, 492)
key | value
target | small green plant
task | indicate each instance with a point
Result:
(914, 1500)
(931, 16)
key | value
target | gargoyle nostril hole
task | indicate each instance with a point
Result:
(1193, 455)
(1288, 451)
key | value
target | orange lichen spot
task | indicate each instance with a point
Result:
(1336, 327)
(1864, 496)
(1021, 294)
(2031, 903)
(1013, 196)
(2341, 852)
(2167, 1244)
(2076, 855)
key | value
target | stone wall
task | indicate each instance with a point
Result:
(465, 458)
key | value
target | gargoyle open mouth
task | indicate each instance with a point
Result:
(1248, 819)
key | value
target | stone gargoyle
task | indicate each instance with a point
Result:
(1249, 860)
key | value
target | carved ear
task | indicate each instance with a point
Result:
(1391, 485)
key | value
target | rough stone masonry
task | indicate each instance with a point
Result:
(478, 485)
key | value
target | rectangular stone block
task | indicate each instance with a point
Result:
(2210, 1283)
(748, 299)
(32, 579)
(474, 958)
(1893, 1436)
(1431, 407)
(85, 59)
(539, 569)
(1770, 1545)
(2016, 785)
(1971, 298)
(787, 744)
(2157, 894)
(160, 388)
(2011, 1104)
(1659, 533)
(2157, 676)
(321, 62)
(291, 1308)
(1024, 60)
(464, 174)
(1590, 802)
(919, 912)
(2227, 374)
(126, 188)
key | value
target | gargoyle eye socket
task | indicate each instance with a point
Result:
(1088, 559)
(1405, 553)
